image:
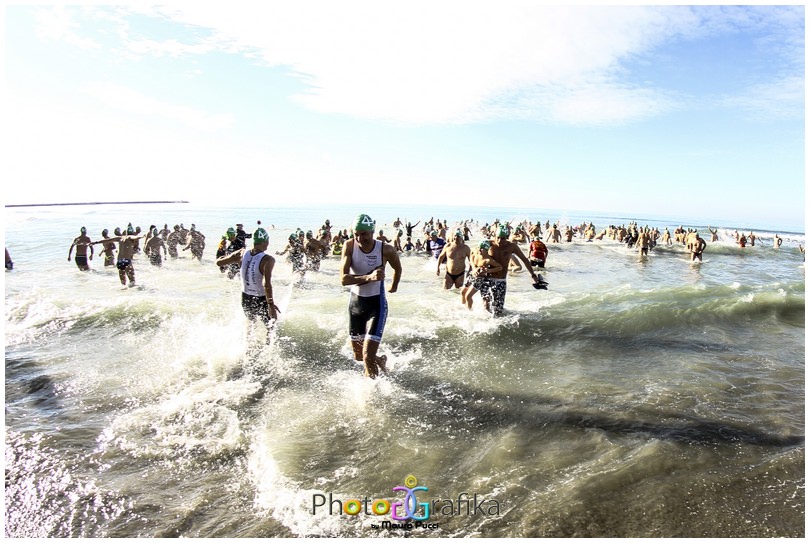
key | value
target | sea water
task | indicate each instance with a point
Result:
(638, 396)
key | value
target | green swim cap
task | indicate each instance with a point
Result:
(503, 232)
(130, 230)
(484, 244)
(261, 236)
(83, 230)
(230, 232)
(363, 223)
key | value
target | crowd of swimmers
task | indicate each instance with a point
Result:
(305, 250)
(120, 249)
(365, 252)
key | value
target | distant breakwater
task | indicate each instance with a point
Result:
(101, 203)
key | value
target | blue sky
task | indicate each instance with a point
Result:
(674, 111)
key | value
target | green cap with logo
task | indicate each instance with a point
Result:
(485, 244)
(503, 232)
(363, 223)
(261, 236)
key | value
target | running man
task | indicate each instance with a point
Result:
(696, 246)
(313, 249)
(434, 244)
(363, 269)
(483, 266)
(108, 248)
(196, 242)
(257, 287)
(493, 289)
(126, 251)
(175, 238)
(81, 242)
(538, 252)
(456, 254)
(152, 249)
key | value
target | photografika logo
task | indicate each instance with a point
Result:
(408, 511)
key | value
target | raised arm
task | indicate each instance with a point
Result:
(232, 258)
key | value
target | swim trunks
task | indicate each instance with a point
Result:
(494, 291)
(454, 276)
(81, 261)
(255, 307)
(155, 259)
(297, 260)
(479, 282)
(368, 307)
(123, 264)
(367, 311)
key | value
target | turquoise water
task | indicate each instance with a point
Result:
(636, 397)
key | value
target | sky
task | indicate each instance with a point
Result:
(649, 110)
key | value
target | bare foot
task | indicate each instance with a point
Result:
(371, 371)
(381, 360)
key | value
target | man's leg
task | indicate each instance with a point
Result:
(357, 347)
(373, 362)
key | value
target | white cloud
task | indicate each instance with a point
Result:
(56, 24)
(130, 101)
(782, 99)
(452, 62)
(447, 63)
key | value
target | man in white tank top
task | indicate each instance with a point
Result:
(256, 272)
(363, 268)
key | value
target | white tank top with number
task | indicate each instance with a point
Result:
(365, 263)
(252, 278)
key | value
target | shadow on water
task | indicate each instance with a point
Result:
(25, 383)
(492, 409)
